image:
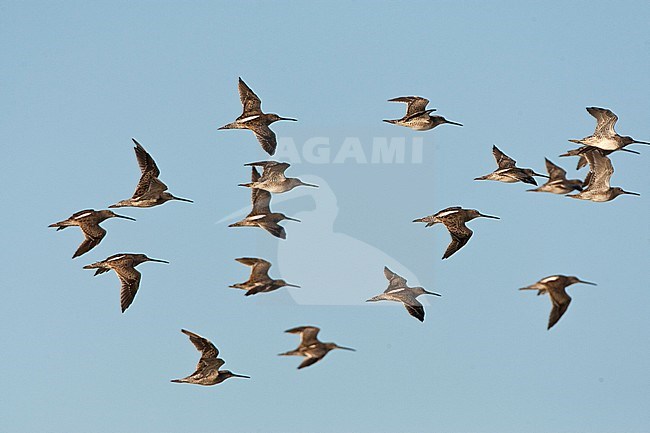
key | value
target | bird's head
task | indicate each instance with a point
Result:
(227, 374)
(629, 140)
(105, 214)
(616, 191)
(331, 346)
(283, 283)
(422, 291)
(473, 213)
(574, 280)
(141, 258)
(167, 196)
(272, 117)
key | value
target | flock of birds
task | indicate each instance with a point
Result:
(151, 191)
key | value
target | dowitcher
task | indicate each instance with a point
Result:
(604, 136)
(254, 119)
(555, 286)
(88, 221)
(508, 172)
(261, 215)
(207, 370)
(398, 291)
(558, 183)
(454, 218)
(597, 183)
(259, 280)
(150, 190)
(310, 346)
(124, 266)
(417, 116)
(273, 179)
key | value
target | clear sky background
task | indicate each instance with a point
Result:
(79, 79)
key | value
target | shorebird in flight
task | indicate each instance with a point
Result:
(124, 266)
(261, 215)
(259, 280)
(207, 370)
(558, 183)
(150, 191)
(604, 136)
(417, 116)
(454, 218)
(597, 183)
(508, 172)
(254, 119)
(310, 346)
(88, 221)
(555, 286)
(398, 291)
(273, 179)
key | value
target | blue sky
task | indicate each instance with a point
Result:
(80, 79)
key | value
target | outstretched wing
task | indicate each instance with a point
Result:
(249, 100)
(266, 138)
(309, 361)
(259, 267)
(274, 228)
(459, 237)
(261, 199)
(415, 104)
(308, 334)
(606, 120)
(130, 280)
(554, 172)
(503, 160)
(560, 305)
(394, 281)
(600, 171)
(145, 161)
(415, 309)
(271, 167)
(93, 235)
(209, 352)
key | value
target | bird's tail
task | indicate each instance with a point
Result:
(247, 185)
(98, 266)
(390, 121)
(233, 125)
(60, 225)
(178, 380)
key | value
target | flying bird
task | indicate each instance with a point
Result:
(558, 183)
(254, 119)
(207, 370)
(604, 136)
(261, 215)
(555, 286)
(399, 291)
(417, 116)
(259, 280)
(597, 183)
(124, 266)
(88, 221)
(273, 178)
(310, 347)
(454, 218)
(508, 172)
(150, 191)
